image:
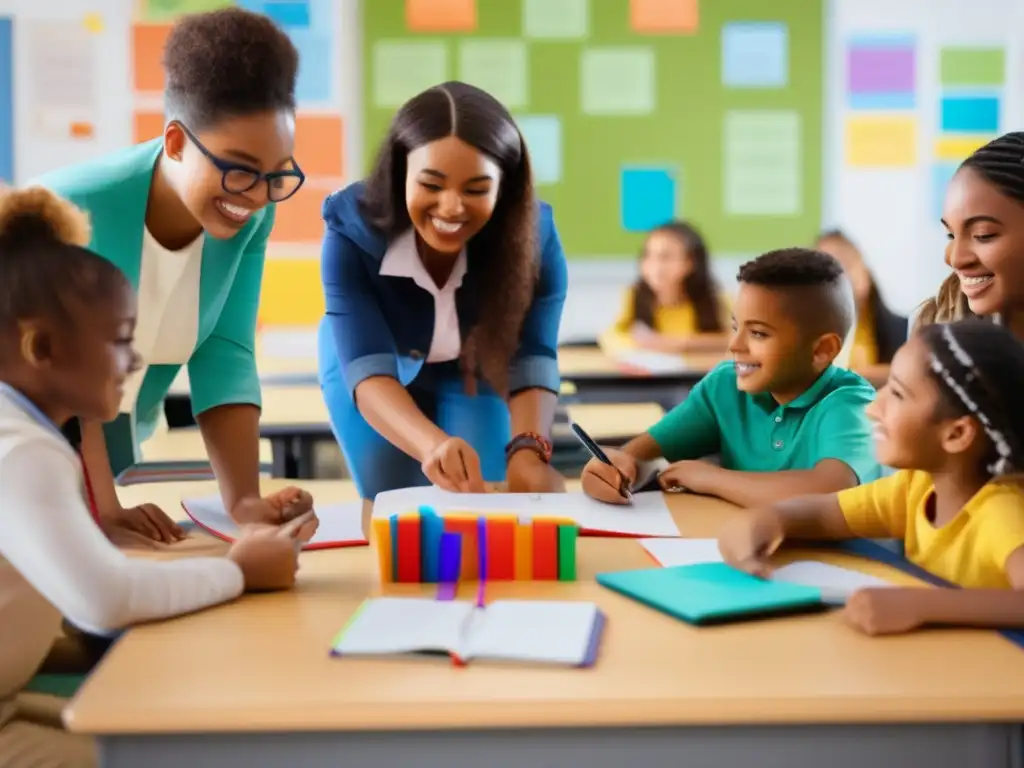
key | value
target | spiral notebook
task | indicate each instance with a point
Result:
(559, 633)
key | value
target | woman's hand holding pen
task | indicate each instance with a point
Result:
(610, 483)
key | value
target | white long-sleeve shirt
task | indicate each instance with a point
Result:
(54, 559)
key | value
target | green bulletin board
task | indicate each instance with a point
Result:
(634, 111)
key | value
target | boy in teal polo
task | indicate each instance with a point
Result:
(783, 418)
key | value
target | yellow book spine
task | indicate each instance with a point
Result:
(524, 552)
(382, 540)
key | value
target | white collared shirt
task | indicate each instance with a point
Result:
(403, 260)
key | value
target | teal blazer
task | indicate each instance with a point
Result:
(114, 191)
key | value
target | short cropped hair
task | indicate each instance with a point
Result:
(227, 63)
(822, 295)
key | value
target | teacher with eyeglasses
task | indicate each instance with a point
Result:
(187, 217)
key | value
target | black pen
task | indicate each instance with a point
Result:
(597, 453)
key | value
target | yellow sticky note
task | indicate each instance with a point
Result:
(93, 22)
(879, 141)
(958, 148)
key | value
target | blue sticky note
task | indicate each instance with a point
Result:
(431, 530)
(393, 524)
(881, 101)
(315, 66)
(942, 174)
(543, 136)
(755, 55)
(648, 198)
(288, 13)
(450, 567)
(970, 114)
(6, 102)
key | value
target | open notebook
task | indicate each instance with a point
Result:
(341, 525)
(525, 631)
(648, 515)
(835, 583)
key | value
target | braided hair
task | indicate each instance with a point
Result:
(1001, 163)
(979, 366)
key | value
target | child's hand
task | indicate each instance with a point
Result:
(269, 555)
(146, 520)
(883, 611)
(687, 476)
(604, 483)
(750, 539)
(278, 508)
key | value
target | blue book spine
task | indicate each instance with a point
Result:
(393, 520)
(431, 529)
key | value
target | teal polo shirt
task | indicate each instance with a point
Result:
(753, 433)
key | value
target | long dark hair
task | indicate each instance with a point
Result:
(698, 287)
(504, 252)
(1000, 163)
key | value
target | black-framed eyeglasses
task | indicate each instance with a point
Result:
(238, 178)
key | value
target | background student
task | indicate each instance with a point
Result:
(984, 219)
(879, 331)
(784, 419)
(444, 281)
(948, 421)
(186, 217)
(675, 305)
(67, 317)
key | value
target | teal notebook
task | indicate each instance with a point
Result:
(712, 593)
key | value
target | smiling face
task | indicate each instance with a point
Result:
(451, 190)
(913, 428)
(986, 242)
(261, 142)
(771, 352)
(665, 265)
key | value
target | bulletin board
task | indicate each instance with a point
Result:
(634, 111)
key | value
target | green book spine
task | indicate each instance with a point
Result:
(567, 535)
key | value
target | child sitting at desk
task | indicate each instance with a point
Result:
(674, 306)
(784, 419)
(949, 421)
(66, 321)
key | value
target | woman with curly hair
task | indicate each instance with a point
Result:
(444, 280)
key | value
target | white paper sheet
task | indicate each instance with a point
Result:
(673, 552)
(836, 583)
(340, 524)
(647, 516)
(652, 362)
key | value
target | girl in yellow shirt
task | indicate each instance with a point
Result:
(880, 331)
(674, 306)
(948, 420)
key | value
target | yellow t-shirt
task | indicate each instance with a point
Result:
(971, 550)
(864, 352)
(679, 320)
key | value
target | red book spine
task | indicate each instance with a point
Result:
(409, 549)
(545, 550)
(501, 548)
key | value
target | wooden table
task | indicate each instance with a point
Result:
(186, 444)
(251, 684)
(596, 377)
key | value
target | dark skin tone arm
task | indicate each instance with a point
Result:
(391, 411)
(94, 456)
(231, 434)
(532, 410)
(753, 489)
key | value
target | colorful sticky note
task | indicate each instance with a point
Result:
(567, 536)
(440, 15)
(755, 55)
(382, 541)
(971, 66)
(288, 13)
(166, 10)
(958, 148)
(545, 550)
(146, 126)
(148, 41)
(402, 70)
(431, 530)
(499, 67)
(313, 83)
(524, 552)
(93, 22)
(556, 19)
(543, 137)
(647, 197)
(970, 114)
(618, 81)
(319, 144)
(298, 219)
(942, 174)
(501, 546)
(763, 163)
(79, 129)
(7, 100)
(664, 17)
(881, 71)
(881, 141)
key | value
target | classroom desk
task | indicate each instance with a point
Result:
(186, 444)
(597, 377)
(259, 687)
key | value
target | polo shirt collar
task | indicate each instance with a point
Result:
(403, 260)
(810, 396)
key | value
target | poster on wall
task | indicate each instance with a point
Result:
(63, 78)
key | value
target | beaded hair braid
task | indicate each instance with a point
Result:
(971, 389)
